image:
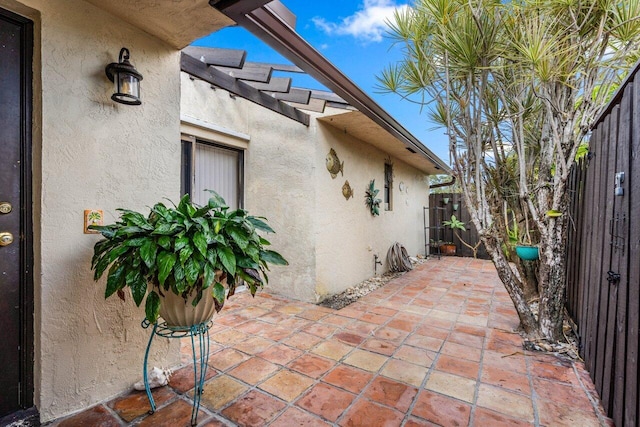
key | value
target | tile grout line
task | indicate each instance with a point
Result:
(485, 340)
(423, 385)
(594, 402)
(534, 393)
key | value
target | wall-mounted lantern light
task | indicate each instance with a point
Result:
(126, 80)
(455, 206)
(445, 200)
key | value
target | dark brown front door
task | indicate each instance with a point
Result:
(16, 287)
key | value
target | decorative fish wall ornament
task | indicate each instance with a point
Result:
(333, 164)
(347, 191)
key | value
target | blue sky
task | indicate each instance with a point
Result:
(351, 34)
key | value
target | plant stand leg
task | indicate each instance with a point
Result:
(145, 371)
(199, 375)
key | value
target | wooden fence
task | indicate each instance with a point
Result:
(454, 206)
(603, 264)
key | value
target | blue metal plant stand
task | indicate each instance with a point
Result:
(199, 331)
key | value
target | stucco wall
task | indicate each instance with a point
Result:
(329, 241)
(348, 236)
(279, 183)
(92, 153)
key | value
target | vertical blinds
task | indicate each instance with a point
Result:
(216, 169)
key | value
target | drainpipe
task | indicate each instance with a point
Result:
(444, 184)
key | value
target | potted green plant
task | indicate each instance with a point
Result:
(185, 259)
(524, 248)
(455, 224)
(448, 248)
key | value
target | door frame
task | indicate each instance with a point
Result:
(26, 212)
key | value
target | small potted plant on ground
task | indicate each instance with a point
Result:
(448, 248)
(186, 259)
(455, 224)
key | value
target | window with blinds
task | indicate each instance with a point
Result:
(388, 187)
(215, 168)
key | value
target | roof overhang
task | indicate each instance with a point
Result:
(178, 23)
(360, 126)
(267, 23)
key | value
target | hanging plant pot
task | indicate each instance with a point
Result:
(528, 253)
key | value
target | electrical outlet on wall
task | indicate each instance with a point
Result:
(92, 217)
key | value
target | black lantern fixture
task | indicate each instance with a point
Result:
(126, 79)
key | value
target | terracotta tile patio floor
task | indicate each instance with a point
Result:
(433, 347)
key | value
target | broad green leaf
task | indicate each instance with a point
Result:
(124, 231)
(200, 213)
(200, 242)
(239, 237)
(259, 224)
(216, 201)
(101, 266)
(180, 286)
(209, 275)
(139, 290)
(185, 253)
(181, 242)
(165, 242)
(161, 210)
(106, 230)
(197, 298)
(117, 252)
(166, 261)
(246, 262)
(218, 292)
(135, 242)
(228, 259)
(212, 256)
(101, 247)
(264, 242)
(178, 272)
(148, 252)
(183, 206)
(253, 252)
(273, 257)
(135, 218)
(167, 229)
(115, 279)
(191, 271)
(152, 307)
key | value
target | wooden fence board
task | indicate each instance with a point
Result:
(609, 290)
(596, 251)
(587, 247)
(620, 259)
(632, 393)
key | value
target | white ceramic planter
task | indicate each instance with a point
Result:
(181, 315)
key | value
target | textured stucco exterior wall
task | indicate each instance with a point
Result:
(92, 153)
(348, 236)
(279, 183)
(329, 241)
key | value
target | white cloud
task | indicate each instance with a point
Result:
(368, 23)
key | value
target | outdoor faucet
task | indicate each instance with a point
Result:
(376, 261)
